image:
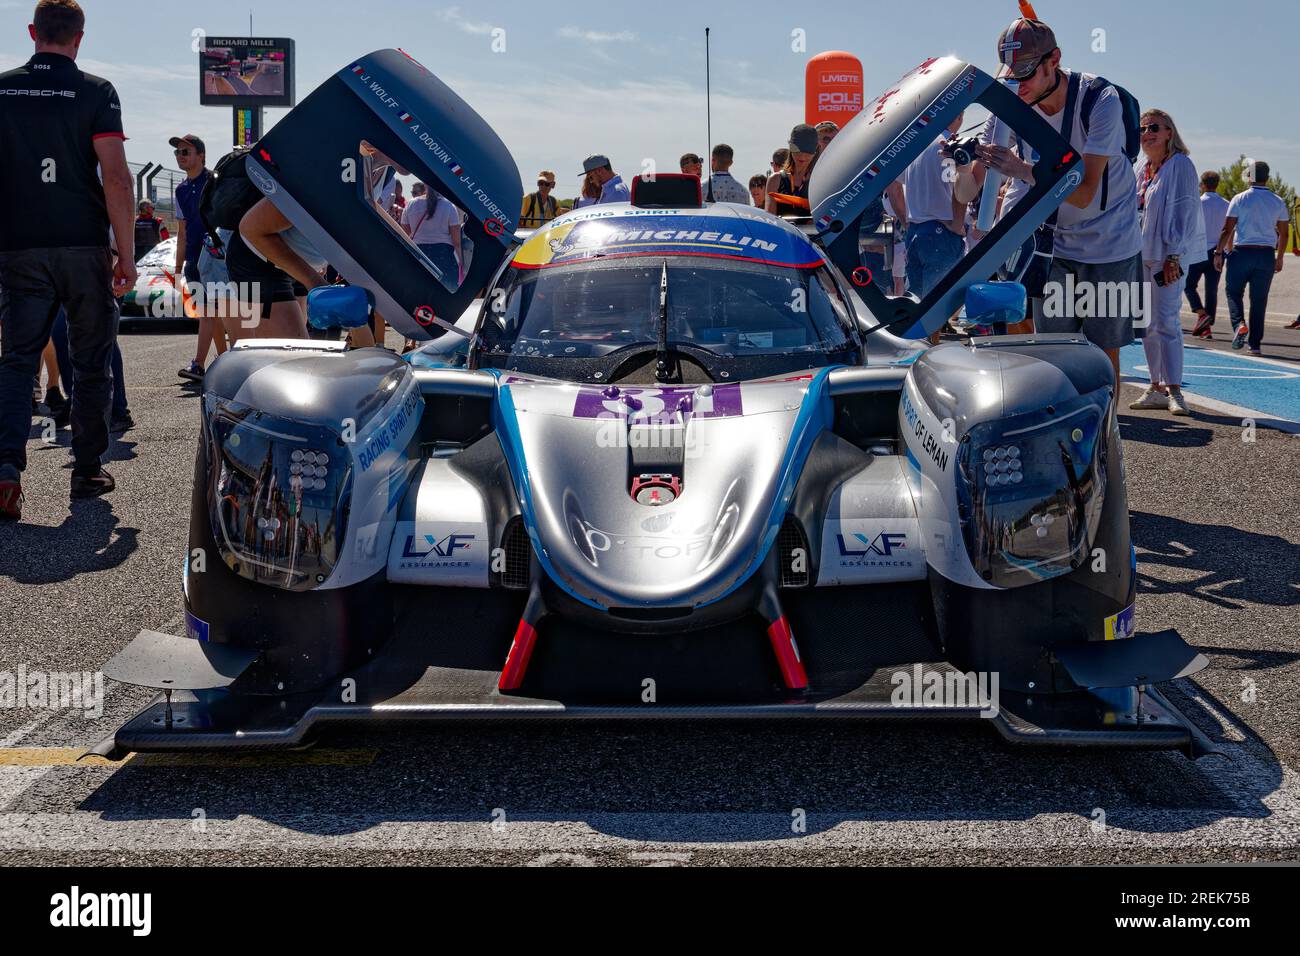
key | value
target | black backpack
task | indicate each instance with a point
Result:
(1131, 111)
(228, 194)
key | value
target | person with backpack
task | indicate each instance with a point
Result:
(270, 263)
(539, 207)
(1096, 237)
(191, 157)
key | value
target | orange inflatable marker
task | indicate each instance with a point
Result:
(1027, 10)
(832, 88)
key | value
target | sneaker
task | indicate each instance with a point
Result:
(121, 423)
(1202, 326)
(1205, 333)
(1293, 325)
(92, 486)
(11, 493)
(1177, 404)
(1254, 352)
(194, 372)
(1151, 399)
(1239, 336)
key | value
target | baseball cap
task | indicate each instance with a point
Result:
(1022, 45)
(188, 139)
(594, 162)
(803, 139)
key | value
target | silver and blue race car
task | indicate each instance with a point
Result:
(656, 459)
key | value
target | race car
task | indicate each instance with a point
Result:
(656, 459)
(155, 295)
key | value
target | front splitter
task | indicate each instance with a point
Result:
(219, 720)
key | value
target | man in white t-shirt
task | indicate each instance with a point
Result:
(1214, 209)
(1257, 230)
(936, 233)
(1097, 237)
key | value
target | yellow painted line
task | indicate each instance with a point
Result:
(68, 757)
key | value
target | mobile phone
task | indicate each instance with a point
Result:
(1160, 276)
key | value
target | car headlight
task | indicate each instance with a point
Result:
(278, 494)
(1031, 489)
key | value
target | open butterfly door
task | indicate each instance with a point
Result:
(877, 146)
(329, 167)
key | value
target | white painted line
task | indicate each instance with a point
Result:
(1244, 356)
(1262, 419)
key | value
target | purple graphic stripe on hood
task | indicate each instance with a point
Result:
(659, 404)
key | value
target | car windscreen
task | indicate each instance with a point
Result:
(731, 308)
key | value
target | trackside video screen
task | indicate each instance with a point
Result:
(246, 71)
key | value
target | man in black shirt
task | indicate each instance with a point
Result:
(56, 125)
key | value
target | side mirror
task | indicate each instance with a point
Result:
(993, 303)
(332, 306)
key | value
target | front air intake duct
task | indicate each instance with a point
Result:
(793, 559)
(518, 554)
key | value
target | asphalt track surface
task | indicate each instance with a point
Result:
(1215, 523)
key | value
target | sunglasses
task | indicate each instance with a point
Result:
(182, 152)
(1151, 128)
(544, 182)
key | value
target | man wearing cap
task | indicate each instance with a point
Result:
(1256, 229)
(57, 124)
(1097, 237)
(191, 157)
(149, 229)
(539, 207)
(612, 187)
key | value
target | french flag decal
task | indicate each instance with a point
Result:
(925, 121)
(358, 69)
(456, 168)
(405, 117)
(825, 220)
(873, 172)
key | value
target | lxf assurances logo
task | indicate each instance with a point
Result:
(425, 549)
(855, 546)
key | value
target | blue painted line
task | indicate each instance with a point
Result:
(1269, 387)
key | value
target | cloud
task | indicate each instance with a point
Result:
(629, 121)
(595, 36)
(478, 27)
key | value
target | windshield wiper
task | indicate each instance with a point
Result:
(664, 366)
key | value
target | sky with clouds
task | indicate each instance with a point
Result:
(627, 78)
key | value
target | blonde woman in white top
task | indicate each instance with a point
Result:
(1173, 238)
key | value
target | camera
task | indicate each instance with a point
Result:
(961, 151)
